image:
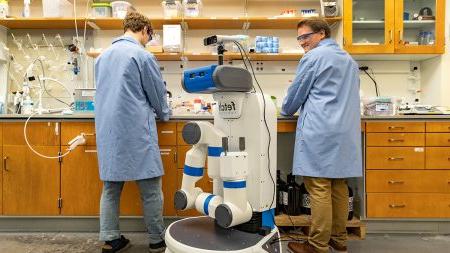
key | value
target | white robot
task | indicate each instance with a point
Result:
(241, 151)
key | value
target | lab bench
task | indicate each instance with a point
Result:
(406, 167)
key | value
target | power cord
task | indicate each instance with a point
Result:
(241, 49)
(365, 68)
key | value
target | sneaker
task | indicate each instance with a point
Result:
(336, 247)
(157, 247)
(116, 246)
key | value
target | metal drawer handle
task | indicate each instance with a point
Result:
(396, 158)
(397, 206)
(397, 140)
(395, 127)
(164, 153)
(395, 182)
(4, 163)
(90, 151)
(167, 132)
(165, 150)
(390, 36)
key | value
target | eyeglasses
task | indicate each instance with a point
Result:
(304, 36)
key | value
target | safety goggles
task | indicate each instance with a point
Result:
(305, 36)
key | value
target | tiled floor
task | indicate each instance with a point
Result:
(87, 243)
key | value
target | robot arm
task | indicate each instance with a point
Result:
(205, 140)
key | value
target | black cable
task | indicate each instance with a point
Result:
(267, 128)
(243, 58)
(240, 51)
(375, 82)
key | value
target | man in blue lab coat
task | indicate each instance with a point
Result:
(130, 95)
(328, 139)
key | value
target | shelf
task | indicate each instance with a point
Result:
(42, 23)
(190, 23)
(227, 57)
(369, 25)
(415, 24)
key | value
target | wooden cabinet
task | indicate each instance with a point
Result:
(369, 26)
(425, 36)
(395, 139)
(413, 181)
(408, 169)
(30, 183)
(408, 205)
(81, 187)
(395, 127)
(390, 26)
(406, 158)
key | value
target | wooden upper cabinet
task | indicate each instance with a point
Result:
(369, 26)
(424, 35)
(390, 26)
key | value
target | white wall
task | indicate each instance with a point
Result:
(436, 73)
(390, 75)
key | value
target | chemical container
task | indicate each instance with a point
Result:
(121, 8)
(57, 8)
(101, 10)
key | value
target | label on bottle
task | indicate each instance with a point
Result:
(350, 204)
(285, 198)
(306, 202)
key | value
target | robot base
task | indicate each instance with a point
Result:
(202, 235)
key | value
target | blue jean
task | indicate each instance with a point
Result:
(152, 201)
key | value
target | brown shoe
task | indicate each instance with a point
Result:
(296, 247)
(335, 247)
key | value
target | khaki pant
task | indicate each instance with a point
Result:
(329, 211)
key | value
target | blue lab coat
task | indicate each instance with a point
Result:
(130, 94)
(326, 94)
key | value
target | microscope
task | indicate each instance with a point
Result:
(240, 151)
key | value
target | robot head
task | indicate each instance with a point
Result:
(217, 78)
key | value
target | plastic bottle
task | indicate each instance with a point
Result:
(27, 106)
(350, 203)
(26, 8)
(293, 190)
(306, 201)
(282, 195)
(197, 105)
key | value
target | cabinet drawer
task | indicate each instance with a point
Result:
(408, 205)
(395, 139)
(438, 158)
(438, 126)
(437, 139)
(38, 133)
(167, 133)
(395, 126)
(70, 130)
(395, 158)
(420, 181)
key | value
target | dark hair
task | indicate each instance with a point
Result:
(136, 22)
(316, 25)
